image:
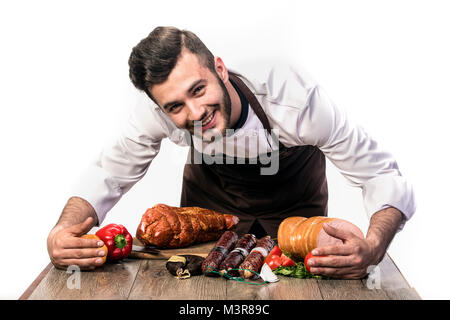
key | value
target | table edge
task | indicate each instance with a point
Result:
(27, 293)
(412, 288)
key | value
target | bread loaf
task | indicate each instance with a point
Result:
(299, 235)
(164, 226)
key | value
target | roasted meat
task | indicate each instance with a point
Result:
(164, 226)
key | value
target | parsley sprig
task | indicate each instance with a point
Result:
(297, 271)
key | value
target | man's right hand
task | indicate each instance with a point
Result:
(66, 247)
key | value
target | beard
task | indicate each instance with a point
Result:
(224, 108)
(226, 105)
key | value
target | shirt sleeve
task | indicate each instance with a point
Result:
(356, 155)
(122, 162)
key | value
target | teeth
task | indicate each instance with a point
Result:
(208, 120)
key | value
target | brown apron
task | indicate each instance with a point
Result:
(261, 202)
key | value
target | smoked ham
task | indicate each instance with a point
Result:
(164, 226)
(300, 235)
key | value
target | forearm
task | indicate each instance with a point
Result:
(75, 211)
(382, 229)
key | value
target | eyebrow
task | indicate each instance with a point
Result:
(193, 85)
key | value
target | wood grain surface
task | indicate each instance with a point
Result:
(110, 281)
(148, 279)
(154, 282)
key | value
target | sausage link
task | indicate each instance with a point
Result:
(221, 249)
(237, 256)
(255, 259)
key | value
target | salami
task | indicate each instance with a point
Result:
(221, 249)
(255, 259)
(234, 259)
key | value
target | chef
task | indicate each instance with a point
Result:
(194, 99)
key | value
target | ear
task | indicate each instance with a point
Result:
(221, 70)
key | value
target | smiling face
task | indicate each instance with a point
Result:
(195, 97)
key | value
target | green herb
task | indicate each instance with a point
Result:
(297, 271)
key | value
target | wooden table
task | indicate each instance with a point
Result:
(139, 279)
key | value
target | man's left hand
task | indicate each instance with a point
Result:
(349, 260)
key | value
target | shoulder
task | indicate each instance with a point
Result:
(285, 83)
(284, 90)
(148, 120)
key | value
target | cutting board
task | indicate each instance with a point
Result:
(201, 249)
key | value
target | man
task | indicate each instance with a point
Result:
(196, 99)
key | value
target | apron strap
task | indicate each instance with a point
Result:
(254, 103)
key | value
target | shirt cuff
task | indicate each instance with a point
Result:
(99, 189)
(389, 191)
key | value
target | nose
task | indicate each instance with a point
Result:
(196, 112)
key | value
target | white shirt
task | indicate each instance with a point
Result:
(297, 108)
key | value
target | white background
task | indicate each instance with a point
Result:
(65, 91)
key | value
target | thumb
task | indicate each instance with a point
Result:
(82, 228)
(337, 233)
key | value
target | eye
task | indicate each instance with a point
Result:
(175, 107)
(198, 89)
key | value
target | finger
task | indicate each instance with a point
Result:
(339, 250)
(81, 253)
(337, 233)
(354, 275)
(82, 228)
(88, 263)
(340, 273)
(331, 261)
(76, 242)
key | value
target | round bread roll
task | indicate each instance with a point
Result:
(299, 235)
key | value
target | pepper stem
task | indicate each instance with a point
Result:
(120, 241)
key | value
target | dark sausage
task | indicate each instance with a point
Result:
(237, 256)
(221, 249)
(255, 259)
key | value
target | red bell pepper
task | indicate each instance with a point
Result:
(117, 239)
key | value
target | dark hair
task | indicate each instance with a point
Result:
(154, 57)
